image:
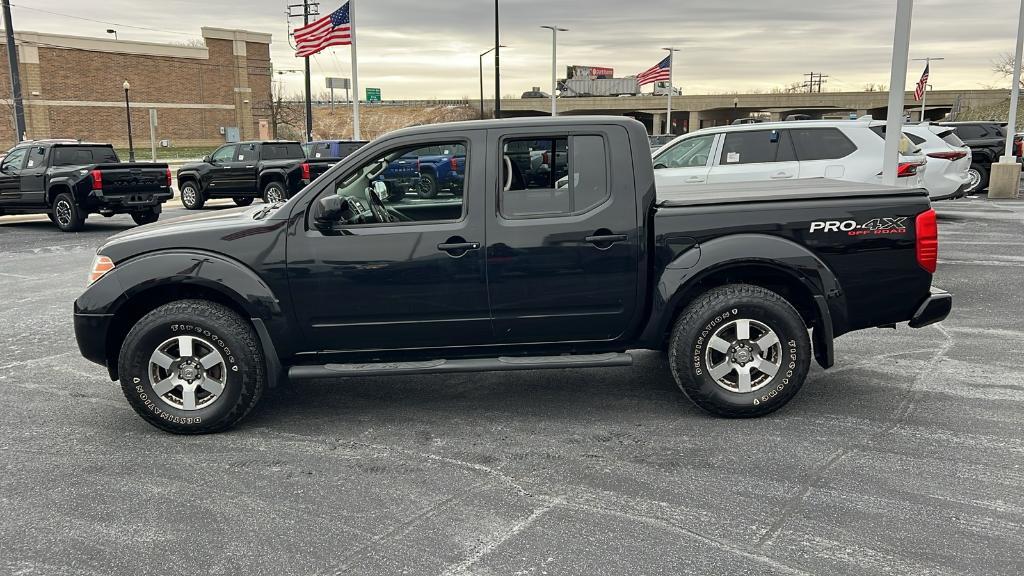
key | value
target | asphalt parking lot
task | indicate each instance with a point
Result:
(906, 458)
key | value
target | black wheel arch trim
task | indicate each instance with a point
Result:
(701, 261)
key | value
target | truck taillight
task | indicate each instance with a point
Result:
(927, 230)
(454, 164)
(97, 180)
(907, 169)
(305, 170)
(168, 177)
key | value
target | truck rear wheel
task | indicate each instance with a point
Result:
(274, 192)
(192, 367)
(191, 196)
(67, 215)
(147, 216)
(740, 351)
(427, 187)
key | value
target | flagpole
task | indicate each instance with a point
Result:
(309, 103)
(668, 114)
(924, 93)
(355, 72)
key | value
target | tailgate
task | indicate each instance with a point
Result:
(132, 179)
(317, 166)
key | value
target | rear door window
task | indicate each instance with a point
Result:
(282, 151)
(914, 138)
(756, 147)
(971, 131)
(82, 155)
(821, 144)
(556, 176)
(246, 153)
(952, 139)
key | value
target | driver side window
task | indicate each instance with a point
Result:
(13, 161)
(223, 154)
(422, 183)
(689, 153)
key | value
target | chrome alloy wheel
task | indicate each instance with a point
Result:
(743, 355)
(973, 180)
(188, 195)
(274, 195)
(187, 372)
(62, 212)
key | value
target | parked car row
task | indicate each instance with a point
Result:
(931, 157)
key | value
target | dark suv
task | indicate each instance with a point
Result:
(986, 141)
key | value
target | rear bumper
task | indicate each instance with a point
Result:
(91, 334)
(128, 202)
(934, 308)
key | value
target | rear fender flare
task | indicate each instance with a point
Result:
(679, 279)
(61, 184)
(272, 175)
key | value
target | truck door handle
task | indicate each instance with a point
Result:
(250, 166)
(695, 180)
(457, 247)
(605, 241)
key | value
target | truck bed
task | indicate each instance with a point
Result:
(774, 191)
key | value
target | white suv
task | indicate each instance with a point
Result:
(837, 149)
(949, 161)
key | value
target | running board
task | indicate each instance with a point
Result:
(500, 364)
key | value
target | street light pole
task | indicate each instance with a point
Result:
(485, 53)
(897, 85)
(554, 64)
(112, 31)
(128, 112)
(924, 95)
(668, 113)
(497, 64)
(1011, 126)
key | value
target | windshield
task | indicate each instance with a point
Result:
(690, 152)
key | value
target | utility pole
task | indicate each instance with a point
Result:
(308, 9)
(497, 64)
(814, 82)
(924, 93)
(12, 62)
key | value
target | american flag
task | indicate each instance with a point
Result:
(922, 84)
(334, 29)
(660, 71)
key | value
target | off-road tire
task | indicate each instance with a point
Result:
(243, 200)
(691, 338)
(147, 216)
(274, 192)
(427, 187)
(192, 198)
(67, 215)
(216, 324)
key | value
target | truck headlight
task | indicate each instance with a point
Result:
(100, 266)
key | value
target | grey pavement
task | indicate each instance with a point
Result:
(906, 458)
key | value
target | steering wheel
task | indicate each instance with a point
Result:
(380, 211)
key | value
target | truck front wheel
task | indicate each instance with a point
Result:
(740, 351)
(192, 367)
(191, 196)
(67, 215)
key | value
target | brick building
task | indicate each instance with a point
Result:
(72, 87)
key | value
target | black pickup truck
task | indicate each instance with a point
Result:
(68, 180)
(271, 170)
(197, 317)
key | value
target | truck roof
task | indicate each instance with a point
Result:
(748, 192)
(526, 122)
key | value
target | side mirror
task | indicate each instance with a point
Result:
(207, 160)
(328, 211)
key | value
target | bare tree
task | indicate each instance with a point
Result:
(283, 114)
(1003, 65)
(872, 87)
(190, 43)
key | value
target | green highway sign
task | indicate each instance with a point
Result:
(373, 94)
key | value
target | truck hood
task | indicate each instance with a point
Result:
(204, 231)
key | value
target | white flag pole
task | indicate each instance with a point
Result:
(897, 84)
(355, 71)
(668, 113)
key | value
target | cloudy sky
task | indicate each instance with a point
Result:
(420, 49)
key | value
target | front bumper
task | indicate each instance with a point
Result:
(933, 309)
(91, 334)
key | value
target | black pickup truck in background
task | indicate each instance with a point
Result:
(271, 170)
(68, 180)
(531, 267)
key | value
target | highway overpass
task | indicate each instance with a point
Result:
(703, 110)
